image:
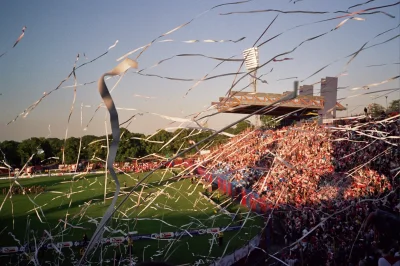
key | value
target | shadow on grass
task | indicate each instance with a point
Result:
(44, 181)
(178, 251)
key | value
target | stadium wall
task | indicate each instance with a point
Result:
(238, 254)
(247, 198)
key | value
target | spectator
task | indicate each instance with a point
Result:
(388, 258)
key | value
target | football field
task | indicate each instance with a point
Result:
(63, 208)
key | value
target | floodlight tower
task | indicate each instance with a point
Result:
(252, 63)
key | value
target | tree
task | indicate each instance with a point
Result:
(241, 126)
(394, 106)
(46, 147)
(268, 121)
(375, 109)
(29, 147)
(9, 153)
(131, 145)
(55, 145)
(162, 136)
(130, 148)
(87, 150)
(71, 150)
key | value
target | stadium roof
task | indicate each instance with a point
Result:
(249, 102)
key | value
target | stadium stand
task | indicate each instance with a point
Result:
(320, 186)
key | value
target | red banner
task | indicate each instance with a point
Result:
(243, 201)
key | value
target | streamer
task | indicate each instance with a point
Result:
(194, 55)
(109, 103)
(30, 108)
(383, 65)
(375, 84)
(145, 47)
(20, 37)
(361, 4)
(309, 12)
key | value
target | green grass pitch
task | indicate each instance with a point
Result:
(166, 205)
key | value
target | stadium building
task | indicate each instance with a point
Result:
(304, 106)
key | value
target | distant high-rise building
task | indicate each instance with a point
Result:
(306, 90)
(329, 87)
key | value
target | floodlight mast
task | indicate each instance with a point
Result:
(252, 63)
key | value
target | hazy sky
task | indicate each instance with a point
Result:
(58, 30)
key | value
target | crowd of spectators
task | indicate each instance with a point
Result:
(313, 175)
(137, 167)
(16, 190)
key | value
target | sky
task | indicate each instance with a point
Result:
(58, 30)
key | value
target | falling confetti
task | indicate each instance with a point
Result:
(132, 197)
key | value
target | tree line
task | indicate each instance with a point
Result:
(376, 109)
(132, 145)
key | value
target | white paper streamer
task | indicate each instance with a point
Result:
(108, 101)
